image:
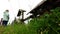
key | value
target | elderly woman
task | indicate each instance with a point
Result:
(5, 17)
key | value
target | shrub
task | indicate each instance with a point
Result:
(47, 23)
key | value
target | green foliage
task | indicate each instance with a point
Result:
(45, 24)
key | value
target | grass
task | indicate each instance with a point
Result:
(15, 29)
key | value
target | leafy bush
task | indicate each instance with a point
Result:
(47, 23)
